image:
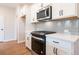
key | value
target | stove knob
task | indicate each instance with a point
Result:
(41, 52)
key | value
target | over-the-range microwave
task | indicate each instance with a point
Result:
(44, 13)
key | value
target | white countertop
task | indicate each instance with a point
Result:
(64, 36)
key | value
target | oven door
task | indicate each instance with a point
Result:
(38, 45)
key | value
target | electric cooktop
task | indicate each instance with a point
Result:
(42, 32)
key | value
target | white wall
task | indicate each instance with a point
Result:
(9, 20)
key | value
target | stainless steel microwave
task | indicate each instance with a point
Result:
(45, 13)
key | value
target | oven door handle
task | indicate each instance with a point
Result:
(37, 38)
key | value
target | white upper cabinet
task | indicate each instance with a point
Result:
(34, 10)
(59, 10)
(24, 10)
(17, 11)
(21, 11)
(46, 4)
(64, 10)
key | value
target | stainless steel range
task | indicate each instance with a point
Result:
(39, 41)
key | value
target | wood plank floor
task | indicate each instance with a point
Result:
(13, 48)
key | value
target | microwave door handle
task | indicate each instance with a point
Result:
(45, 13)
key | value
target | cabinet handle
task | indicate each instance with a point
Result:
(55, 42)
(55, 51)
(41, 52)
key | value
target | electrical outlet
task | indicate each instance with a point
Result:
(66, 31)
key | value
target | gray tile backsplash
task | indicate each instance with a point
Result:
(70, 26)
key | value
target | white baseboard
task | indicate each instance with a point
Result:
(20, 41)
(8, 40)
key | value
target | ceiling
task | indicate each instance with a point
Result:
(14, 5)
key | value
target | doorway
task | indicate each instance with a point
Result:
(1, 28)
(20, 36)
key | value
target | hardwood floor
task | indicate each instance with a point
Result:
(13, 48)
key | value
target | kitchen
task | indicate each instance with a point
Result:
(52, 29)
(48, 28)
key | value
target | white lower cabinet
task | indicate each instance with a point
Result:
(28, 41)
(58, 47)
(53, 50)
(63, 52)
(49, 49)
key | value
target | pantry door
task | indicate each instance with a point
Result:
(1, 28)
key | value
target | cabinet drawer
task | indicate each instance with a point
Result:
(59, 42)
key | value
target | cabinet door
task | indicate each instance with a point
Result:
(34, 9)
(57, 10)
(19, 11)
(49, 49)
(54, 50)
(69, 9)
(63, 10)
(46, 4)
(63, 51)
(24, 10)
(28, 41)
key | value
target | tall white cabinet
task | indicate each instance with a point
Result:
(28, 41)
